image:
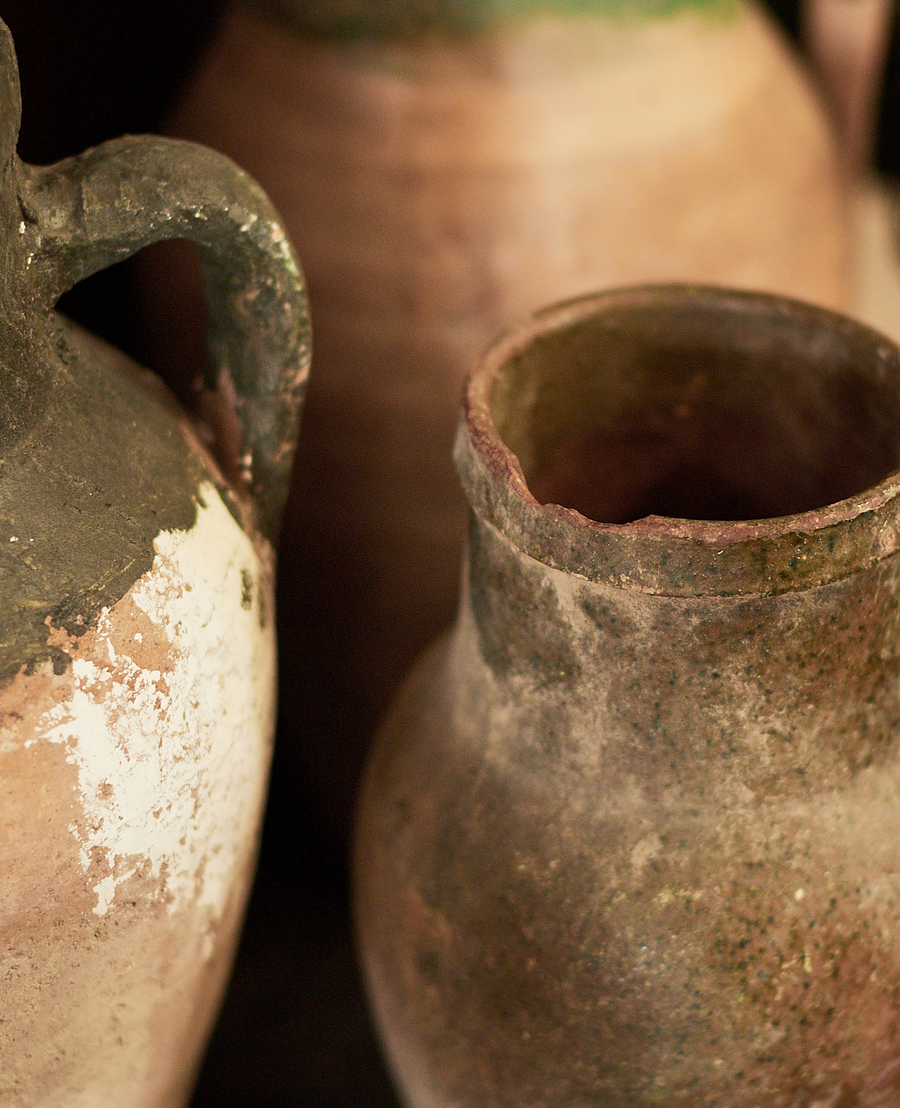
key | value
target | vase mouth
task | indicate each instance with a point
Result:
(689, 440)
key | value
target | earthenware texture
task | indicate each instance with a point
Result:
(630, 834)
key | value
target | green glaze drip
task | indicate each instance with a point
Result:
(374, 18)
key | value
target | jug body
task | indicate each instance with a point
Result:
(137, 656)
(628, 835)
(136, 742)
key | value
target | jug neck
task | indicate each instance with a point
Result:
(26, 297)
(25, 357)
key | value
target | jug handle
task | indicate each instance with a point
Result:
(90, 211)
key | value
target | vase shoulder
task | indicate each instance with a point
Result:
(354, 19)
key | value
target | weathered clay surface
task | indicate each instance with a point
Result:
(132, 786)
(135, 731)
(632, 839)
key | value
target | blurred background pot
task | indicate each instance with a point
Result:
(446, 169)
(137, 659)
(630, 833)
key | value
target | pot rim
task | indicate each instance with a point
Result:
(660, 554)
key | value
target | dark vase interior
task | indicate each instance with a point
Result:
(721, 408)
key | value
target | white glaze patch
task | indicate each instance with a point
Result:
(172, 764)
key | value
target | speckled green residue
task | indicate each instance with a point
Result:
(366, 18)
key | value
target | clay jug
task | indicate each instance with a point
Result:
(631, 833)
(137, 655)
(446, 169)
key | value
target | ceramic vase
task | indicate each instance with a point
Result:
(137, 653)
(630, 833)
(446, 169)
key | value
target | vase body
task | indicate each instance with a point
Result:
(629, 833)
(444, 175)
(137, 661)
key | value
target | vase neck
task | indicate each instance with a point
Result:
(788, 694)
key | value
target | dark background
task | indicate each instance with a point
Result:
(294, 1031)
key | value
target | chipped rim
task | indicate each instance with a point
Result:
(666, 555)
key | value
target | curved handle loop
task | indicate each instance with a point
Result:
(100, 207)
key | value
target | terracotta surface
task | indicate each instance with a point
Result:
(439, 188)
(875, 217)
(630, 832)
(848, 44)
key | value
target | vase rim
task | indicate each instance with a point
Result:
(661, 554)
